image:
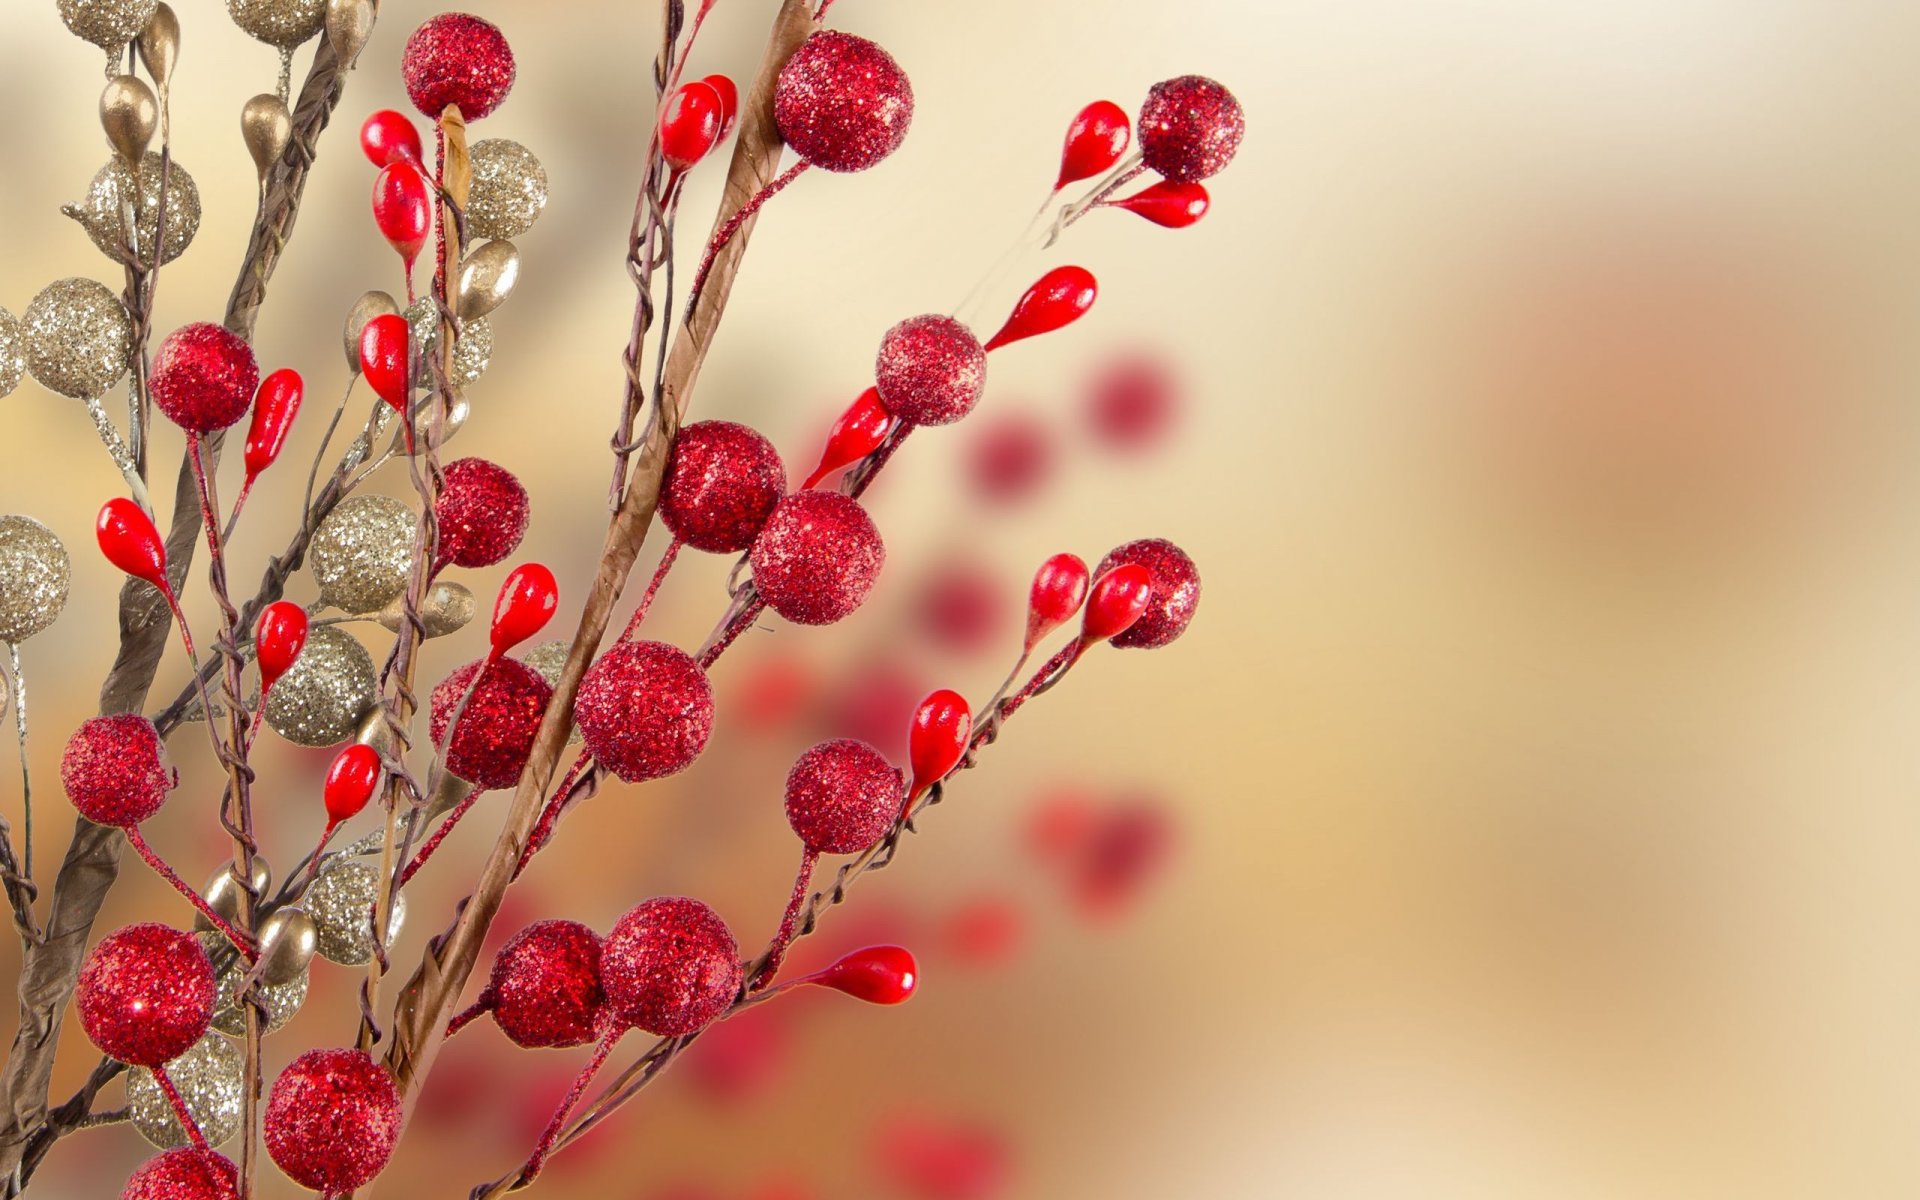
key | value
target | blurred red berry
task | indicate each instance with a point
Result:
(1133, 403)
(1010, 459)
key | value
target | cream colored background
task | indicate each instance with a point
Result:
(1543, 749)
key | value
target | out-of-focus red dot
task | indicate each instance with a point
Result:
(943, 1159)
(774, 690)
(740, 1059)
(1127, 851)
(457, 1092)
(682, 1191)
(782, 1189)
(1061, 822)
(1133, 402)
(876, 705)
(1010, 458)
(986, 931)
(963, 606)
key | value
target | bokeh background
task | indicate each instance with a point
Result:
(1530, 810)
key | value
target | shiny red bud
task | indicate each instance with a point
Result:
(403, 209)
(857, 433)
(525, 605)
(877, 974)
(388, 137)
(1119, 598)
(1168, 204)
(274, 407)
(384, 342)
(941, 726)
(1061, 297)
(1095, 141)
(690, 124)
(729, 101)
(278, 637)
(351, 779)
(1059, 588)
(130, 542)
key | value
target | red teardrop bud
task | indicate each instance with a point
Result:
(724, 88)
(130, 542)
(525, 605)
(384, 343)
(1095, 141)
(1061, 297)
(877, 974)
(941, 726)
(690, 124)
(388, 137)
(278, 638)
(274, 407)
(857, 433)
(1059, 588)
(1118, 600)
(403, 209)
(1168, 204)
(350, 781)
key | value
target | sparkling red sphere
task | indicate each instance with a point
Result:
(817, 558)
(145, 994)
(545, 986)
(457, 59)
(722, 482)
(669, 967)
(1190, 128)
(482, 513)
(203, 377)
(645, 710)
(842, 796)
(332, 1119)
(842, 102)
(184, 1174)
(115, 770)
(498, 725)
(1176, 590)
(930, 370)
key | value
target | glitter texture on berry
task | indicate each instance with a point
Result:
(722, 482)
(842, 102)
(842, 796)
(203, 378)
(497, 726)
(1176, 591)
(930, 370)
(545, 986)
(670, 967)
(817, 558)
(146, 994)
(332, 1119)
(1190, 128)
(115, 770)
(645, 710)
(457, 59)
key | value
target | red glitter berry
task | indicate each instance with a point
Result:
(1190, 128)
(930, 370)
(203, 377)
(146, 994)
(817, 558)
(842, 102)
(497, 726)
(115, 770)
(669, 967)
(722, 482)
(545, 986)
(184, 1174)
(332, 1119)
(645, 710)
(1176, 591)
(482, 513)
(842, 796)
(457, 59)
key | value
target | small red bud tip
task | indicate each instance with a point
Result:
(1061, 297)
(1059, 588)
(403, 209)
(941, 726)
(857, 433)
(350, 782)
(690, 124)
(1119, 599)
(526, 603)
(388, 137)
(1168, 204)
(877, 974)
(278, 638)
(384, 343)
(1095, 141)
(274, 407)
(724, 88)
(130, 542)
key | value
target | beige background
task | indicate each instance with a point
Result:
(1542, 754)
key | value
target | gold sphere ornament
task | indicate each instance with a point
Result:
(362, 553)
(487, 277)
(341, 902)
(266, 127)
(34, 574)
(320, 700)
(108, 24)
(114, 191)
(472, 350)
(13, 353)
(349, 25)
(447, 609)
(366, 308)
(159, 45)
(78, 338)
(209, 1077)
(287, 942)
(282, 23)
(508, 191)
(222, 892)
(281, 1000)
